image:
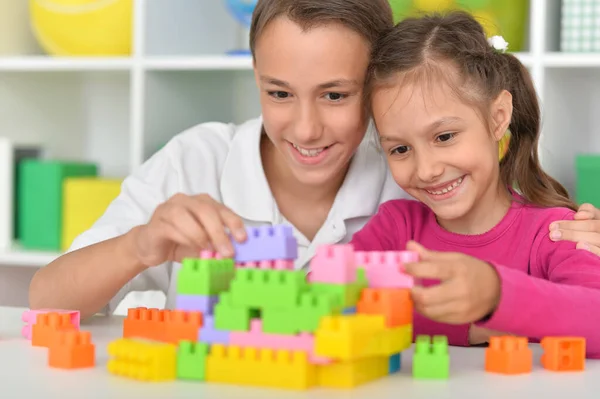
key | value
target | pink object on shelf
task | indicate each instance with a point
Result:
(280, 264)
(257, 339)
(30, 318)
(386, 269)
(334, 264)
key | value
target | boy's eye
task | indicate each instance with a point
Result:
(280, 95)
(335, 96)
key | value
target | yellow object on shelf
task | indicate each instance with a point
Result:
(84, 201)
(83, 27)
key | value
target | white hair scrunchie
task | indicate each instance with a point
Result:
(498, 43)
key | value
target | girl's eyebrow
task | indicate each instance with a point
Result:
(322, 86)
(446, 120)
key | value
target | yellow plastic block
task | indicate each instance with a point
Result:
(351, 373)
(141, 360)
(260, 367)
(84, 201)
(355, 336)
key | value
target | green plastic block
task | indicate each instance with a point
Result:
(265, 288)
(313, 306)
(587, 185)
(205, 276)
(431, 360)
(40, 194)
(280, 321)
(191, 360)
(231, 317)
(349, 294)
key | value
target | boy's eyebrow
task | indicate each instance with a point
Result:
(322, 86)
(440, 122)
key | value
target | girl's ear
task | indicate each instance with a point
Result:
(502, 109)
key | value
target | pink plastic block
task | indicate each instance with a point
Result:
(210, 255)
(386, 269)
(257, 339)
(333, 264)
(30, 317)
(280, 264)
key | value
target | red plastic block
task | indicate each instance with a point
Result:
(333, 264)
(72, 350)
(563, 353)
(508, 355)
(48, 326)
(386, 269)
(30, 317)
(394, 304)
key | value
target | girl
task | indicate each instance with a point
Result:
(306, 162)
(442, 99)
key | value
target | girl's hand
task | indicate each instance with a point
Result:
(183, 226)
(584, 230)
(469, 288)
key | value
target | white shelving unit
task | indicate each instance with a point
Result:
(118, 111)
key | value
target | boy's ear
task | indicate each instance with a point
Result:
(502, 109)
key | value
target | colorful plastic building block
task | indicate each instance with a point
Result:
(48, 326)
(395, 363)
(349, 293)
(278, 264)
(347, 337)
(210, 335)
(334, 264)
(197, 303)
(352, 373)
(563, 353)
(40, 191)
(162, 325)
(256, 338)
(385, 269)
(508, 355)
(267, 243)
(146, 361)
(181, 326)
(204, 276)
(30, 318)
(431, 359)
(260, 367)
(85, 199)
(231, 317)
(395, 304)
(72, 350)
(191, 360)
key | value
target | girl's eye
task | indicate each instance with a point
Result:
(279, 95)
(403, 149)
(446, 137)
(335, 96)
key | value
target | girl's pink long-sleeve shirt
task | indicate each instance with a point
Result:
(547, 288)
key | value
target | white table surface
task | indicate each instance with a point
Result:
(24, 374)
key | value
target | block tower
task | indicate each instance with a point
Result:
(260, 322)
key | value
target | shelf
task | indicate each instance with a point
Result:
(44, 63)
(572, 60)
(24, 258)
(220, 63)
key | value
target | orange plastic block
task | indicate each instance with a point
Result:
(563, 353)
(162, 325)
(394, 304)
(508, 355)
(48, 326)
(72, 350)
(182, 326)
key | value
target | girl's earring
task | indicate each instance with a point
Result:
(503, 145)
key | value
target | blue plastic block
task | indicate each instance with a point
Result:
(210, 335)
(395, 363)
(349, 310)
(267, 243)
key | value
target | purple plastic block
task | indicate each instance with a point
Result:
(209, 335)
(267, 243)
(196, 303)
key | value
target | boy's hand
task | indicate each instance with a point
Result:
(480, 335)
(584, 230)
(183, 226)
(469, 288)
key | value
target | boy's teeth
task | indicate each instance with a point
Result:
(308, 153)
(446, 189)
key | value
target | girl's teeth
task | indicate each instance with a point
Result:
(447, 189)
(308, 153)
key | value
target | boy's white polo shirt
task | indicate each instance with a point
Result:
(224, 161)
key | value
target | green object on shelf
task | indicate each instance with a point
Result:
(587, 182)
(40, 193)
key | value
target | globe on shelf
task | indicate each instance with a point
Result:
(242, 11)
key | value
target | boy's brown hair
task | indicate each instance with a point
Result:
(369, 18)
(454, 47)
